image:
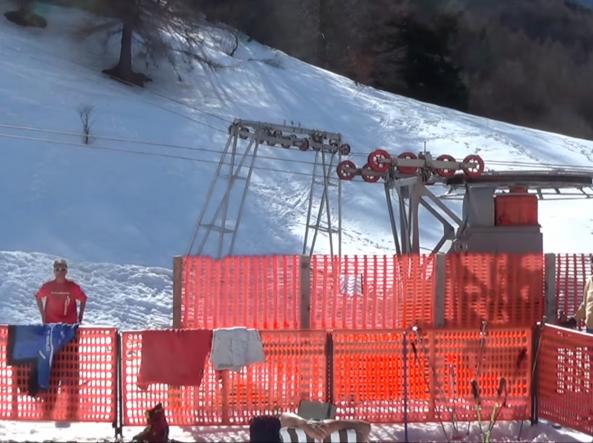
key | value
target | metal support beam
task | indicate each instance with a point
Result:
(177, 290)
(233, 174)
(408, 194)
(550, 288)
(392, 222)
(439, 299)
(326, 204)
(305, 268)
(225, 200)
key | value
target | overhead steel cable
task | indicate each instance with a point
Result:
(144, 153)
(204, 149)
(144, 98)
(143, 142)
(229, 121)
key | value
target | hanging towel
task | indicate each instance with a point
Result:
(38, 344)
(234, 348)
(174, 356)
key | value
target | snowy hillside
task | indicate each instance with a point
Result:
(97, 203)
(124, 296)
(103, 207)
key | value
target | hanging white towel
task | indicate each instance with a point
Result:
(234, 348)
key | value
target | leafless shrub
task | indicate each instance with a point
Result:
(86, 118)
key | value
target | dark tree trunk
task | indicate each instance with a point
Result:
(125, 56)
(123, 70)
(25, 16)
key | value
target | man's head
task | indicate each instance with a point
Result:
(60, 269)
(264, 428)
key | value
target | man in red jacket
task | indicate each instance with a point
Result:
(57, 300)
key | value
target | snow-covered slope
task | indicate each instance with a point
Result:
(124, 296)
(91, 204)
(97, 206)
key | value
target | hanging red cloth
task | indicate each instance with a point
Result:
(174, 356)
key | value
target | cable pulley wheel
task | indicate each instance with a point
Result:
(407, 170)
(368, 175)
(344, 149)
(269, 134)
(379, 160)
(444, 172)
(243, 132)
(346, 170)
(302, 144)
(474, 165)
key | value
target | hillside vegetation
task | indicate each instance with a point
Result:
(523, 61)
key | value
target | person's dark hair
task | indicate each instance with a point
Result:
(264, 428)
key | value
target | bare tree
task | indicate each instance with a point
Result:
(146, 22)
(85, 113)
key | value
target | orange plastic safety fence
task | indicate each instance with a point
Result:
(372, 292)
(565, 378)
(256, 292)
(294, 369)
(184, 405)
(369, 377)
(504, 289)
(572, 272)
(504, 353)
(82, 382)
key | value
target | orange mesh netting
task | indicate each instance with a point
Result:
(255, 292)
(572, 272)
(295, 369)
(504, 289)
(369, 379)
(371, 292)
(82, 382)
(565, 378)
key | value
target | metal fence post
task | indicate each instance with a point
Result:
(439, 291)
(177, 290)
(305, 265)
(329, 355)
(405, 381)
(537, 337)
(119, 401)
(550, 302)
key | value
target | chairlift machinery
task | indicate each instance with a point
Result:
(219, 218)
(499, 210)
(408, 182)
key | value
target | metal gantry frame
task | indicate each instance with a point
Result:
(222, 216)
(407, 179)
(404, 196)
(326, 220)
(407, 195)
(230, 170)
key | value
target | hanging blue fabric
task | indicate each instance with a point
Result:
(38, 344)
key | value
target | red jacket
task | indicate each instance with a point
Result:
(59, 300)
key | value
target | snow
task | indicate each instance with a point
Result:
(112, 289)
(103, 209)
(92, 432)
(109, 206)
